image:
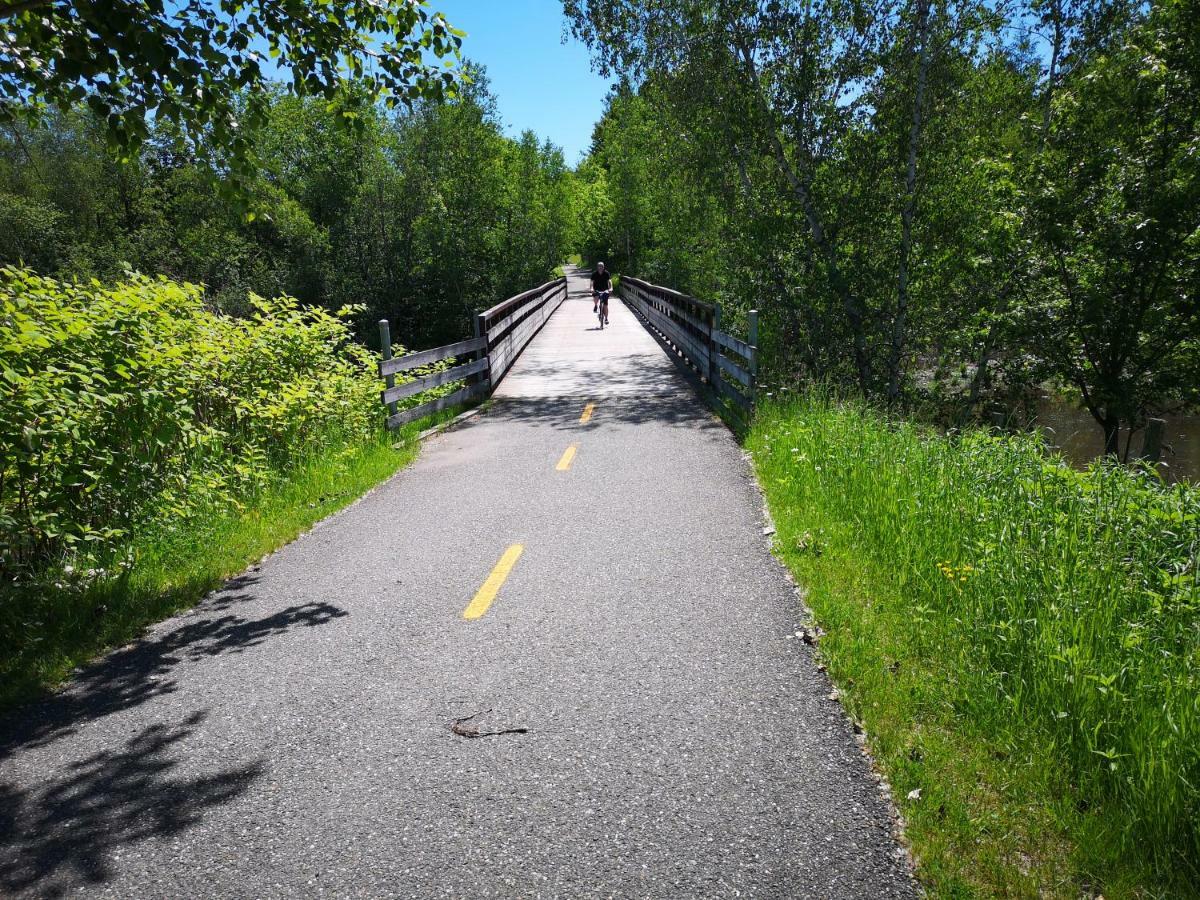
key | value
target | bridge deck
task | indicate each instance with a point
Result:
(572, 357)
(289, 736)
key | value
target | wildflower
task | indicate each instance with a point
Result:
(955, 573)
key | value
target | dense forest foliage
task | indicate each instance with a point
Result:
(947, 201)
(421, 215)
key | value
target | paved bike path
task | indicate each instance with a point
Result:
(289, 736)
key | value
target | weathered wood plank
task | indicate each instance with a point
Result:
(518, 329)
(499, 372)
(505, 305)
(425, 357)
(667, 292)
(729, 367)
(518, 317)
(497, 344)
(437, 379)
(729, 342)
(680, 312)
(501, 362)
(734, 394)
(665, 326)
(674, 318)
(696, 351)
(462, 395)
(661, 320)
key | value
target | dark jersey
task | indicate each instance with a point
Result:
(602, 281)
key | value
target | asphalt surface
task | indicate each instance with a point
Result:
(289, 737)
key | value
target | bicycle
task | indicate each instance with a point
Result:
(601, 306)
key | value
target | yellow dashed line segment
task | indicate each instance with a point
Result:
(568, 455)
(491, 587)
(587, 413)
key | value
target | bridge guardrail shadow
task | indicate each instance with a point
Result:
(562, 412)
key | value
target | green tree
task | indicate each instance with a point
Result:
(203, 66)
(1118, 214)
(423, 216)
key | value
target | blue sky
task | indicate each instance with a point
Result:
(539, 82)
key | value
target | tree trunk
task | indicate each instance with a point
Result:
(900, 322)
(1056, 8)
(979, 382)
(801, 188)
(1112, 434)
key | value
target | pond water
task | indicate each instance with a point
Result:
(1073, 431)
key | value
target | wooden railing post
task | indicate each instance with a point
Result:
(752, 319)
(485, 378)
(385, 342)
(714, 370)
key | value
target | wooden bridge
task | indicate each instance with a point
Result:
(725, 366)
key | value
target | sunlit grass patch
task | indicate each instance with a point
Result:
(1021, 641)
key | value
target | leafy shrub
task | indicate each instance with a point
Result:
(129, 407)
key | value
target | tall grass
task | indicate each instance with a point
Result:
(1022, 638)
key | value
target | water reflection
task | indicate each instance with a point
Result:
(1073, 431)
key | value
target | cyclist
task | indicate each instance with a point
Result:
(601, 288)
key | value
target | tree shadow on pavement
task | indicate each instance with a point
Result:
(65, 832)
(563, 412)
(135, 674)
(629, 390)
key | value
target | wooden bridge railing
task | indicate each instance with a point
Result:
(693, 328)
(510, 325)
(501, 333)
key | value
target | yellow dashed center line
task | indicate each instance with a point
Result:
(491, 587)
(568, 455)
(587, 413)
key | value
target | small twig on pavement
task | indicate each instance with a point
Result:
(471, 731)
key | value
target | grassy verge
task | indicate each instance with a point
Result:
(1021, 642)
(49, 630)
